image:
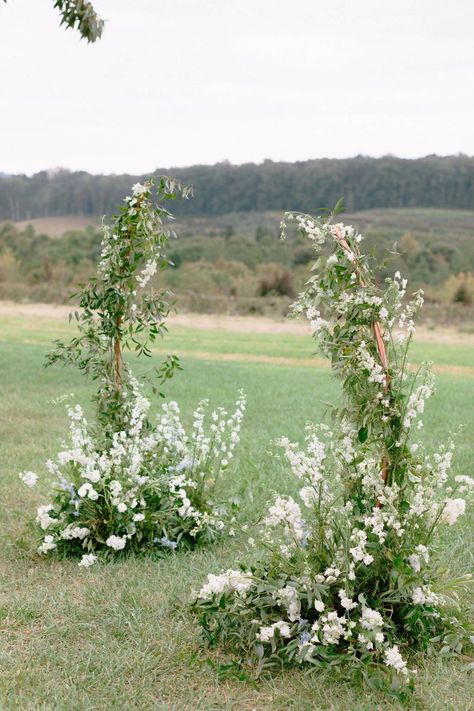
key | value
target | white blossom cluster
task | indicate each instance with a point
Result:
(141, 469)
(341, 614)
(230, 581)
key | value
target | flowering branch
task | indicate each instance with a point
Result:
(118, 311)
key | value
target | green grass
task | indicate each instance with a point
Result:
(26, 329)
(119, 636)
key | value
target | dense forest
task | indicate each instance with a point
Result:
(364, 183)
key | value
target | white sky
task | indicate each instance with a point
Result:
(179, 82)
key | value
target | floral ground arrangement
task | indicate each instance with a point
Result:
(351, 580)
(126, 482)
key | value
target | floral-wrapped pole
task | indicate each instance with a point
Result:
(118, 311)
(351, 580)
(127, 483)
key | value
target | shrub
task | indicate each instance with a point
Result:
(278, 283)
(351, 579)
(153, 488)
(458, 289)
(125, 482)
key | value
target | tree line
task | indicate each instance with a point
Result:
(362, 182)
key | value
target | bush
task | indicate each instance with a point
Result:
(152, 489)
(277, 284)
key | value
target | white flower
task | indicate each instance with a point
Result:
(333, 627)
(116, 542)
(121, 507)
(146, 273)
(139, 189)
(454, 508)
(43, 517)
(466, 481)
(288, 596)
(89, 491)
(288, 513)
(230, 581)
(319, 605)
(115, 488)
(265, 634)
(394, 659)
(71, 532)
(346, 602)
(29, 478)
(47, 545)
(424, 596)
(139, 517)
(371, 619)
(421, 553)
(87, 560)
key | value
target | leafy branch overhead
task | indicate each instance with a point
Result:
(80, 15)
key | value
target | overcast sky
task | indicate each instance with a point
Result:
(179, 82)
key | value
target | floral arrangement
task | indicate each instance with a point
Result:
(126, 482)
(351, 579)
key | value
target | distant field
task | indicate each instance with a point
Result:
(119, 636)
(429, 220)
(423, 220)
(57, 226)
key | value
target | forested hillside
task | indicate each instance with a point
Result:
(364, 183)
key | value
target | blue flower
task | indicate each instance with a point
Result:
(165, 542)
(66, 485)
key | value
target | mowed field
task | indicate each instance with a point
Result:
(120, 636)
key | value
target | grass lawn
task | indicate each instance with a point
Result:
(119, 636)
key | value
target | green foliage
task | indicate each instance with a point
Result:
(80, 15)
(117, 312)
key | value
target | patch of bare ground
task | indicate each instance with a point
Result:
(50, 311)
(57, 226)
(233, 324)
